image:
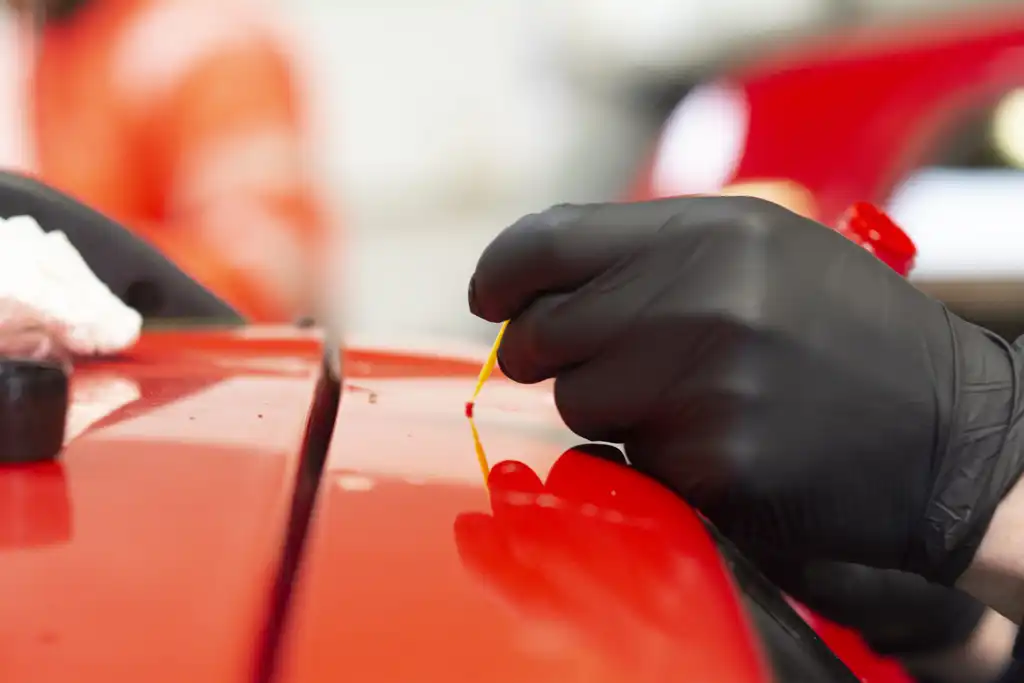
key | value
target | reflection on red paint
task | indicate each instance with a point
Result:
(616, 562)
(35, 509)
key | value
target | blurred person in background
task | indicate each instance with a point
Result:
(180, 118)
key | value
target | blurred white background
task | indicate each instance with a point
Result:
(435, 123)
(440, 122)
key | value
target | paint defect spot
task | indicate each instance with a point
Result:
(371, 395)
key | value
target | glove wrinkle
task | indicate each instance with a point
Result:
(978, 468)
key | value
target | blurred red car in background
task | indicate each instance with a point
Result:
(924, 119)
(844, 118)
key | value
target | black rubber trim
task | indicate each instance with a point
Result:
(796, 652)
(323, 416)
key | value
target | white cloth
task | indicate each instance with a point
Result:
(51, 303)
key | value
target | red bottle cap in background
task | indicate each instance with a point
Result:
(870, 227)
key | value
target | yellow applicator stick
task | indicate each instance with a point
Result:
(486, 370)
(481, 456)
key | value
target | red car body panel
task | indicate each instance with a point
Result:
(143, 555)
(146, 553)
(597, 574)
(849, 115)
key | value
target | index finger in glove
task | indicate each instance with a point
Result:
(559, 250)
(895, 612)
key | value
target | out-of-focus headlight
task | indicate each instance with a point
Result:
(702, 142)
(1008, 128)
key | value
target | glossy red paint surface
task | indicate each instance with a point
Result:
(849, 115)
(142, 555)
(595, 574)
(145, 553)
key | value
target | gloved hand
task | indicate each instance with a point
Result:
(896, 613)
(801, 394)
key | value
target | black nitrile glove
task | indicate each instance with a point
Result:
(897, 613)
(802, 395)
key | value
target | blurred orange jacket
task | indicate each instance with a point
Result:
(181, 119)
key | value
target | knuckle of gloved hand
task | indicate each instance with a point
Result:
(555, 243)
(741, 221)
(730, 234)
(542, 233)
(757, 218)
(562, 215)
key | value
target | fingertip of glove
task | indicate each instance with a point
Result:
(478, 306)
(506, 275)
(471, 297)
